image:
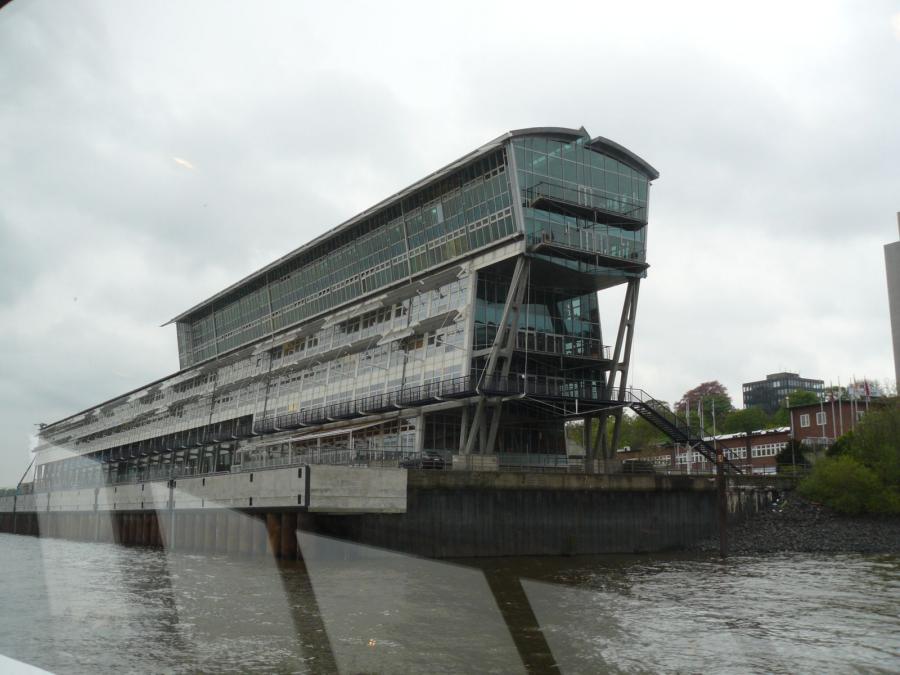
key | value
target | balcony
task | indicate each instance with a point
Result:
(587, 203)
(562, 345)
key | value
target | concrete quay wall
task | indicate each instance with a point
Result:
(446, 514)
(462, 514)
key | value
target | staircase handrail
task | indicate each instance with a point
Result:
(693, 434)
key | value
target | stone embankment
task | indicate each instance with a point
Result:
(793, 524)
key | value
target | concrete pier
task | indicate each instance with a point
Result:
(447, 514)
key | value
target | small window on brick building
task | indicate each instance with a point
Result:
(804, 420)
(820, 419)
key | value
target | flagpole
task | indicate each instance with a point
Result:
(822, 427)
(841, 404)
(833, 423)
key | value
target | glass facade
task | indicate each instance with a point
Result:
(772, 393)
(317, 340)
(461, 213)
(551, 320)
(581, 198)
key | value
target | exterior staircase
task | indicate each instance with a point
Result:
(674, 426)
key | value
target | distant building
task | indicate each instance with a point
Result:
(815, 426)
(770, 393)
(892, 269)
(754, 455)
(820, 424)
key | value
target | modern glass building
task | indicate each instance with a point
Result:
(770, 393)
(457, 319)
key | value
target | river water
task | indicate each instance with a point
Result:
(72, 607)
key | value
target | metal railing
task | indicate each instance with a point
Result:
(565, 345)
(588, 198)
(675, 426)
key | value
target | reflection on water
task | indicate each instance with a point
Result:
(86, 608)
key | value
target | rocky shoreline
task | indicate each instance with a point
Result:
(793, 524)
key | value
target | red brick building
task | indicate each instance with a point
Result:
(816, 426)
(822, 423)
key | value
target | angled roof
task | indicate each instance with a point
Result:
(599, 143)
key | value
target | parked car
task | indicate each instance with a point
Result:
(427, 460)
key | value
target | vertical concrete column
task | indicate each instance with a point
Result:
(420, 435)
(273, 528)
(289, 536)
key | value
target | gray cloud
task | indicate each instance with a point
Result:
(774, 130)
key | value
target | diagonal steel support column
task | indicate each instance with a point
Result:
(496, 348)
(507, 354)
(619, 367)
(626, 361)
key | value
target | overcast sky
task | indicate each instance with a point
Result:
(153, 153)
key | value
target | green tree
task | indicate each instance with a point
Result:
(876, 443)
(637, 433)
(792, 455)
(781, 417)
(846, 485)
(862, 469)
(709, 395)
(801, 397)
(745, 421)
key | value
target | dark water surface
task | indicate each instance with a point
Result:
(72, 607)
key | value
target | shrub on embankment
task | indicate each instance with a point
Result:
(861, 473)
